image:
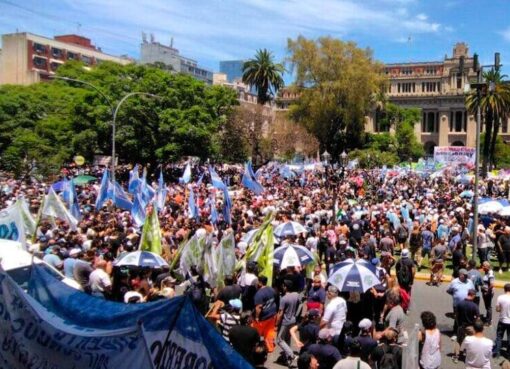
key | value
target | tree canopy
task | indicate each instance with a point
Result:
(46, 123)
(337, 82)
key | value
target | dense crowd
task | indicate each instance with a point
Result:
(400, 221)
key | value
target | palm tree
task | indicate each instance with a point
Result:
(495, 107)
(263, 73)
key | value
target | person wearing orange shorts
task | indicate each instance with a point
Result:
(265, 313)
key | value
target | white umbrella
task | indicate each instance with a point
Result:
(505, 212)
(353, 276)
(249, 236)
(490, 207)
(292, 255)
(145, 259)
(289, 229)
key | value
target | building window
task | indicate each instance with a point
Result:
(459, 81)
(40, 63)
(431, 122)
(39, 48)
(398, 88)
(379, 122)
(56, 53)
(72, 56)
(86, 59)
(458, 121)
(406, 71)
(54, 66)
(504, 125)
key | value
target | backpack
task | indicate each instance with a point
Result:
(402, 232)
(389, 359)
(404, 274)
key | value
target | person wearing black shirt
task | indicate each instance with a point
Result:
(244, 338)
(466, 314)
(231, 291)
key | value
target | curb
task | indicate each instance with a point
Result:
(448, 278)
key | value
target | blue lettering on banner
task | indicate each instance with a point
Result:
(9, 231)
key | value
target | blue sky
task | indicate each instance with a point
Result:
(214, 30)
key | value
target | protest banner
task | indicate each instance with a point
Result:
(451, 155)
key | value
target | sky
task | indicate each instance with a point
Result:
(213, 30)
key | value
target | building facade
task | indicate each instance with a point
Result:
(439, 90)
(26, 58)
(154, 52)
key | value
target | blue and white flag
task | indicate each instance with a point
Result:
(227, 206)
(200, 179)
(138, 210)
(250, 182)
(250, 170)
(102, 195)
(216, 180)
(214, 213)
(161, 193)
(147, 191)
(54, 207)
(71, 198)
(134, 181)
(119, 197)
(186, 176)
(192, 206)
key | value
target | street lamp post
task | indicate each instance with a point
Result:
(479, 86)
(113, 112)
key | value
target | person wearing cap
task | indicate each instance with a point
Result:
(226, 315)
(367, 342)
(335, 312)
(405, 270)
(327, 355)
(70, 261)
(286, 319)
(378, 292)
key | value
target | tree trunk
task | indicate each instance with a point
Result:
(486, 142)
(494, 138)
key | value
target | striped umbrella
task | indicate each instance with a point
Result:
(144, 259)
(353, 276)
(292, 255)
(289, 229)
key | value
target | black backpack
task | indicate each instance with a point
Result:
(389, 358)
(404, 274)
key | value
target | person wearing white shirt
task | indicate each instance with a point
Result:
(478, 348)
(335, 313)
(503, 308)
(99, 280)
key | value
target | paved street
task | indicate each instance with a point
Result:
(439, 302)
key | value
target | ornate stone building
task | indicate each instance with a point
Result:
(438, 89)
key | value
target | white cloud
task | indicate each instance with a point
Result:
(218, 29)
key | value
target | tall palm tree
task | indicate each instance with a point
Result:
(263, 73)
(494, 106)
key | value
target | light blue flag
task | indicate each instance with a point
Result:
(214, 213)
(227, 205)
(138, 210)
(134, 181)
(199, 182)
(216, 180)
(71, 199)
(119, 196)
(192, 206)
(302, 180)
(102, 196)
(161, 193)
(250, 169)
(250, 183)
(147, 191)
(186, 176)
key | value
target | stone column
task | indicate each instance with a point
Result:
(471, 131)
(444, 127)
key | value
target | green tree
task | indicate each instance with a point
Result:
(495, 107)
(337, 82)
(264, 74)
(47, 123)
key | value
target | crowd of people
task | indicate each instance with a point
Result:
(401, 222)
